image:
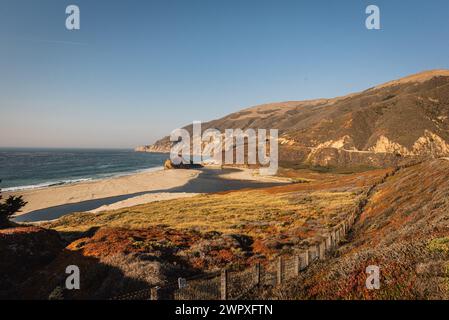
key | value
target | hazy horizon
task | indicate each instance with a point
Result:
(138, 69)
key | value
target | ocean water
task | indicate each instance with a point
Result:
(22, 169)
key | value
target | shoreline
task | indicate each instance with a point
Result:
(131, 190)
(146, 181)
(60, 183)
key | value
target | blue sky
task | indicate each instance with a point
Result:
(138, 69)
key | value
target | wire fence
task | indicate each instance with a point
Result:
(229, 284)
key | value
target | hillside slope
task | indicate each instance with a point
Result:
(136, 248)
(377, 127)
(404, 229)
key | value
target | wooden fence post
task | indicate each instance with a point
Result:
(182, 283)
(224, 284)
(337, 236)
(306, 258)
(329, 242)
(154, 293)
(279, 270)
(314, 253)
(257, 274)
(297, 265)
(322, 250)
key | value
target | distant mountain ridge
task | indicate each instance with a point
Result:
(380, 126)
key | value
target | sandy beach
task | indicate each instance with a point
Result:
(126, 191)
(140, 182)
(146, 198)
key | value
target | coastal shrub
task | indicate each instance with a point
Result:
(439, 245)
(9, 207)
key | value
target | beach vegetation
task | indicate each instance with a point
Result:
(9, 207)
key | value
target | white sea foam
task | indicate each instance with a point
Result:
(45, 185)
(72, 181)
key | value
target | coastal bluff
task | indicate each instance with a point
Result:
(383, 126)
(153, 148)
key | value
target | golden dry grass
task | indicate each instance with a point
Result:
(249, 212)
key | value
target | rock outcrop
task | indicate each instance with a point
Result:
(168, 164)
(156, 148)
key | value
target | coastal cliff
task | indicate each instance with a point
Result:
(379, 127)
(162, 148)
